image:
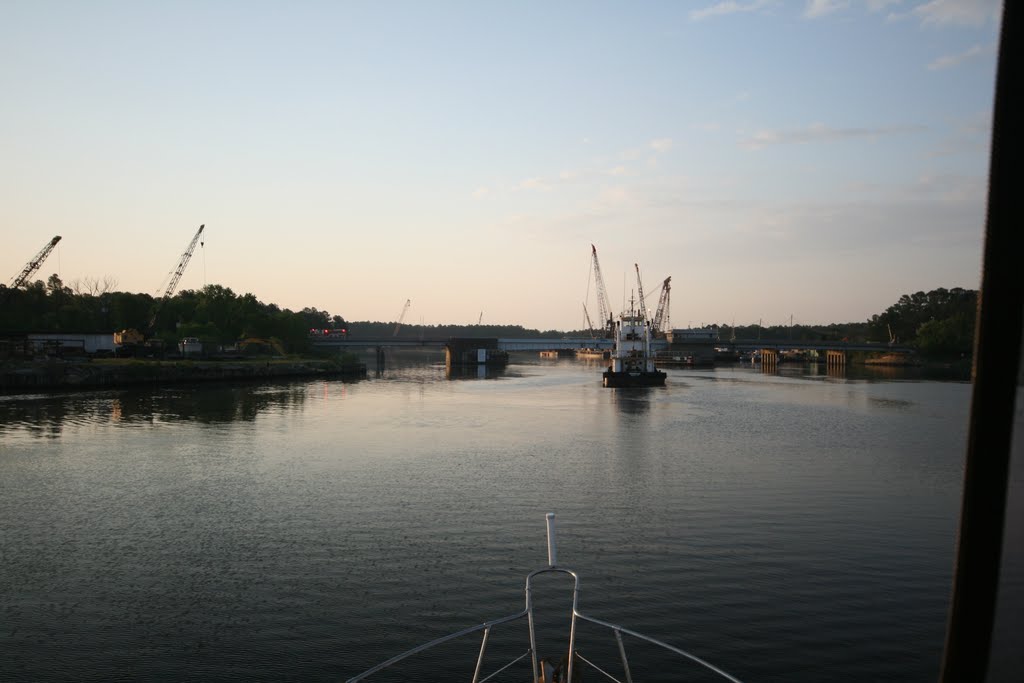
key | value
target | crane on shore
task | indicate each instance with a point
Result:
(130, 339)
(182, 262)
(31, 267)
(401, 317)
(176, 274)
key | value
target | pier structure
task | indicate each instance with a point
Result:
(461, 352)
(835, 359)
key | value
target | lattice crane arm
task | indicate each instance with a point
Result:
(640, 291)
(661, 317)
(604, 309)
(405, 309)
(175, 278)
(182, 263)
(590, 325)
(32, 266)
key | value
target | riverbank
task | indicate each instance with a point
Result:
(60, 375)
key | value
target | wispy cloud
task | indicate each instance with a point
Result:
(879, 5)
(970, 135)
(820, 8)
(953, 12)
(534, 184)
(709, 127)
(949, 61)
(661, 145)
(726, 7)
(817, 132)
(948, 187)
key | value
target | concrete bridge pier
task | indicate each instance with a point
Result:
(380, 358)
(769, 360)
(835, 359)
(462, 352)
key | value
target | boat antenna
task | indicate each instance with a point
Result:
(552, 559)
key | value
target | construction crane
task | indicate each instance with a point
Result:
(131, 338)
(603, 307)
(590, 325)
(640, 292)
(182, 262)
(405, 309)
(662, 323)
(176, 276)
(32, 266)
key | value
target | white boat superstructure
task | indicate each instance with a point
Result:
(632, 361)
(543, 669)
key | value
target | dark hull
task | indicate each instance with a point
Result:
(633, 379)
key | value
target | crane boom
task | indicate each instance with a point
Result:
(590, 325)
(182, 263)
(33, 265)
(405, 309)
(175, 278)
(661, 317)
(640, 291)
(603, 307)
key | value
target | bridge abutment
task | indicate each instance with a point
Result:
(461, 352)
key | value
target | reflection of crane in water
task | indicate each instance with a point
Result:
(405, 309)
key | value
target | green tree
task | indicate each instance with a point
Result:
(947, 338)
(904, 319)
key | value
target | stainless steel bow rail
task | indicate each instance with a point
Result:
(540, 675)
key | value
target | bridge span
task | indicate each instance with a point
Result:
(505, 344)
(808, 345)
(573, 343)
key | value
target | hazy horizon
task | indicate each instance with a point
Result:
(815, 159)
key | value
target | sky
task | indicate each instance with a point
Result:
(805, 161)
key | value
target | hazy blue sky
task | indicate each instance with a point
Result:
(813, 159)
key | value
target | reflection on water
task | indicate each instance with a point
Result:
(633, 400)
(456, 372)
(45, 415)
(794, 526)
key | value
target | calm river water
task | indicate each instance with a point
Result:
(786, 527)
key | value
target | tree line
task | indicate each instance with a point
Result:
(939, 323)
(213, 313)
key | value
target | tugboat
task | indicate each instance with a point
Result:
(632, 362)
